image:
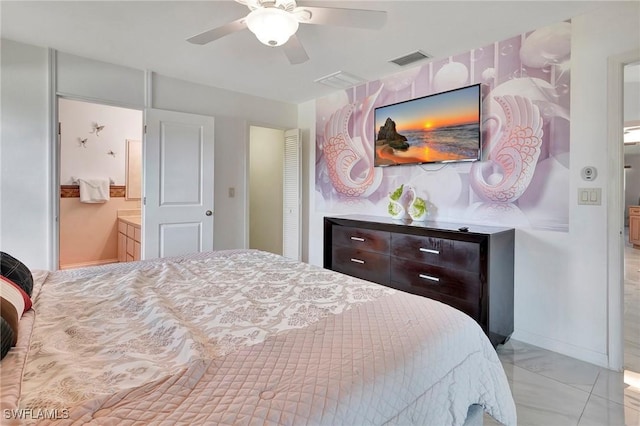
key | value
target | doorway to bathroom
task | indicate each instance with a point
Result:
(100, 155)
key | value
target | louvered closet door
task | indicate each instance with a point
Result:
(292, 196)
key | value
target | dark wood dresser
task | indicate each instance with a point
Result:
(470, 270)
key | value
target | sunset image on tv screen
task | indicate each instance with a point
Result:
(436, 128)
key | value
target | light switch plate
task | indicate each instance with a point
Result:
(590, 196)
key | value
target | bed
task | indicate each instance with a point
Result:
(244, 337)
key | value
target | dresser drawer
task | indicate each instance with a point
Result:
(470, 307)
(361, 239)
(419, 277)
(437, 251)
(634, 211)
(363, 264)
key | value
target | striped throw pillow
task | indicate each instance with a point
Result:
(14, 302)
(16, 271)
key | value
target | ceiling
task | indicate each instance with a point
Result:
(150, 35)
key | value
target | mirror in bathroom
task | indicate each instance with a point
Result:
(134, 170)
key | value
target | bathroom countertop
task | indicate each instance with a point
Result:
(131, 220)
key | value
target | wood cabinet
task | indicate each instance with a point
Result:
(129, 238)
(471, 270)
(634, 226)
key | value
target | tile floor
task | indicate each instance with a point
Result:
(631, 307)
(555, 390)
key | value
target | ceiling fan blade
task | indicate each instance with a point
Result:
(295, 51)
(357, 18)
(216, 33)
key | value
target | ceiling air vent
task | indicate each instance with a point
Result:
(412, 57)
(340, 80)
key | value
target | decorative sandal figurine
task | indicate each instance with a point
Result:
(399, 202)
(417, 206)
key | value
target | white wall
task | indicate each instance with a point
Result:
(26, 142)
(178, 95)
(307, 124)
(560, 278)
(91, 159)
(25, 192)
(91, 79)
(232, 142)
(610, 31)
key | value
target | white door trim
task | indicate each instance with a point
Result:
(54, 143)
(615, 215)
(54, 193)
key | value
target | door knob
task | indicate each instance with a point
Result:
(208, 212)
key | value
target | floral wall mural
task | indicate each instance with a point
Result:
(522, 179)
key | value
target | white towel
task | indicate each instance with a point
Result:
(94, 190)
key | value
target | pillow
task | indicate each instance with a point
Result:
(14, 302)
(16, 271)
(8, 337)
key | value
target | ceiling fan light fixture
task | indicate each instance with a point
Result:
(271, 25)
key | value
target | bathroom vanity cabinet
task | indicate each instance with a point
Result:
(129, 238)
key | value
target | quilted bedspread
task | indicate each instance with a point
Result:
(247, 337)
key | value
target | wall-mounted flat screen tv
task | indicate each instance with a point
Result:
(443, 127)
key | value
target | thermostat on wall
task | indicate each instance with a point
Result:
(589, 173)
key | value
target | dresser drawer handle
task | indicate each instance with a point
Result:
(357, 261)
(429, 251)
(357, 239)
(429, 277)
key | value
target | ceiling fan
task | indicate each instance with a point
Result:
(275, 22)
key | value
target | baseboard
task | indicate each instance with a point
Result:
(593, 357)
(92, 263)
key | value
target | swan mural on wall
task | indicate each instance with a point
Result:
(511, 161)
(350, 160)
(522, 179)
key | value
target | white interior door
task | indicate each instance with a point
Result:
(178, 184)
